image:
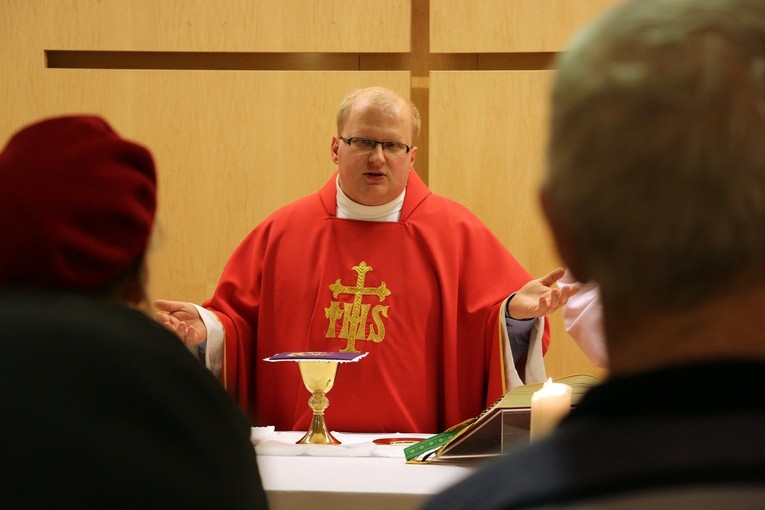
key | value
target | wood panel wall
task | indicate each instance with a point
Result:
(236, 99)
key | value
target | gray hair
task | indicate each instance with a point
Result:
(380, 97)
(657, 149)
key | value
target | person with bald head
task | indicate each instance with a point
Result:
(101, 407)
(655, 192)
(374, 263)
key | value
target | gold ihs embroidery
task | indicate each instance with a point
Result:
(354, 315)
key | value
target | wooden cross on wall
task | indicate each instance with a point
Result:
(419, 62)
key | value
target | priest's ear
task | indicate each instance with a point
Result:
(563, 236)
(333, 150)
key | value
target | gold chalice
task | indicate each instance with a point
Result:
(318, 378)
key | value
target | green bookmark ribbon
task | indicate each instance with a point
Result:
(434, 442)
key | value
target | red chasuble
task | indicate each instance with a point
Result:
(422, 296)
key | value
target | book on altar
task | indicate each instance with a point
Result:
(503, 425)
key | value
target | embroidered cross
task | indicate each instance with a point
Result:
(355, 314)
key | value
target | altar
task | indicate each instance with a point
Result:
(366, 471)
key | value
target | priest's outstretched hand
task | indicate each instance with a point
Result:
(182, 319)
(539, 297)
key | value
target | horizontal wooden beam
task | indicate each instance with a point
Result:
(244, 61)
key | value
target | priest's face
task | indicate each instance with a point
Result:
(374, 176)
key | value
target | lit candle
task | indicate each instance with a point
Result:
(548, 406)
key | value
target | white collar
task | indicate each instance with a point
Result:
(348, 209)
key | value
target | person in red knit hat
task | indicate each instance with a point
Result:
(78, 208)
(100, 407)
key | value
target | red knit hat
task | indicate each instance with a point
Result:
(77, 204)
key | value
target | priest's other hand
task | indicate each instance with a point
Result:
(539, 297)
(182, 319)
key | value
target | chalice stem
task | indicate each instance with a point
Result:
(317, 432)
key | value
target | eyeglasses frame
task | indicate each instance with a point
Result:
(350, 140)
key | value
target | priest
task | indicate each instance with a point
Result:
(377, 263)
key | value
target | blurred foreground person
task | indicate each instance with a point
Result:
(656, 192)
(100, 407)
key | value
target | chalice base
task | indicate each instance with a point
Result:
(318, 433)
